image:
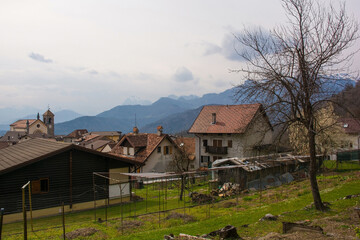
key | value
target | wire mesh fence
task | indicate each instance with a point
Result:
(120, 197)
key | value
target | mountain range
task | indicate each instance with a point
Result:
(175, 114)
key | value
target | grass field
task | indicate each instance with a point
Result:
(289, 201)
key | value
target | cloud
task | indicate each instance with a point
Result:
(211, 48)
(93, 72)
(39, 57)
(231, 48)
(183, 75)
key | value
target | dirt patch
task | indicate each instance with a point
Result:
(81, 232)
(130, 225)
(341, 226)
(176, 215)
(228, 204)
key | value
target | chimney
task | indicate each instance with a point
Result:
(213, 118)
(159, 130)
(135, 130)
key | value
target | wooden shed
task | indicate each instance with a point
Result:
(58, 172)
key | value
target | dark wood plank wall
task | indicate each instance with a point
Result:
(57, 169)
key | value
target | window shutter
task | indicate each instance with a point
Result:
(165, 150)
(170, 149)
(35, 186)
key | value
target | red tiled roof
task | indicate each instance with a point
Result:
(22, 123)
(76, 133)
(188, 142)
(350, 125)
(48, 113)
(229, 118)
(144, 143)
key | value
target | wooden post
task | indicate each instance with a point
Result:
(106, 211)
(63, 220)
(146, 197)
(31, 219)
(24, 213)
(94, 189)
(135, 198)
(70, 180)
(121, 207)
(1, 220)
(159, 206)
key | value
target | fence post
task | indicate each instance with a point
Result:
(1, 219)
(63, 220)
(24, 213)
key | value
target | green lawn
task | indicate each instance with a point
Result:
(288, 200)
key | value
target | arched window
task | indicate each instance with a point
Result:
(49, 120)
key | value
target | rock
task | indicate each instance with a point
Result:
(268, 217)
(291, 227)
(229, 232)
(169, 237)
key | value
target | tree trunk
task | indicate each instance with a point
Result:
(313, 169)
(182, 186)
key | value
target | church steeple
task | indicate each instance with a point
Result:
(48, 119)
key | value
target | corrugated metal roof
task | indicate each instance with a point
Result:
(33, 150)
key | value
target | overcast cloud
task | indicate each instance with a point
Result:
(39, 57)
(183, 75)
(90, 56)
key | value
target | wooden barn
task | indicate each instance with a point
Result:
(58, 172)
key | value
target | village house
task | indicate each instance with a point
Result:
(351, 127)
(225, 131)
(111, 135)
(154, 150)
(25, 129)
(74, 135)
(59, 172)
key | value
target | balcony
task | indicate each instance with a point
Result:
(216, 150)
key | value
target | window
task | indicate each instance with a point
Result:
(159, 149)
(205, 143)
(40, 186)
(229, 143)
(217, 143)
(125, 151)
(205, 159)
(166, 150)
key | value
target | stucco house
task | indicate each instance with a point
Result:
(225, 131)
(154, 150)
(351, 127)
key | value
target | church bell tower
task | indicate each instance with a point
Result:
(48, 119)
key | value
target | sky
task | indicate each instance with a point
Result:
(90, 56)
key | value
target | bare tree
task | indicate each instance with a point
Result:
(181, 163)
(291, 68)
